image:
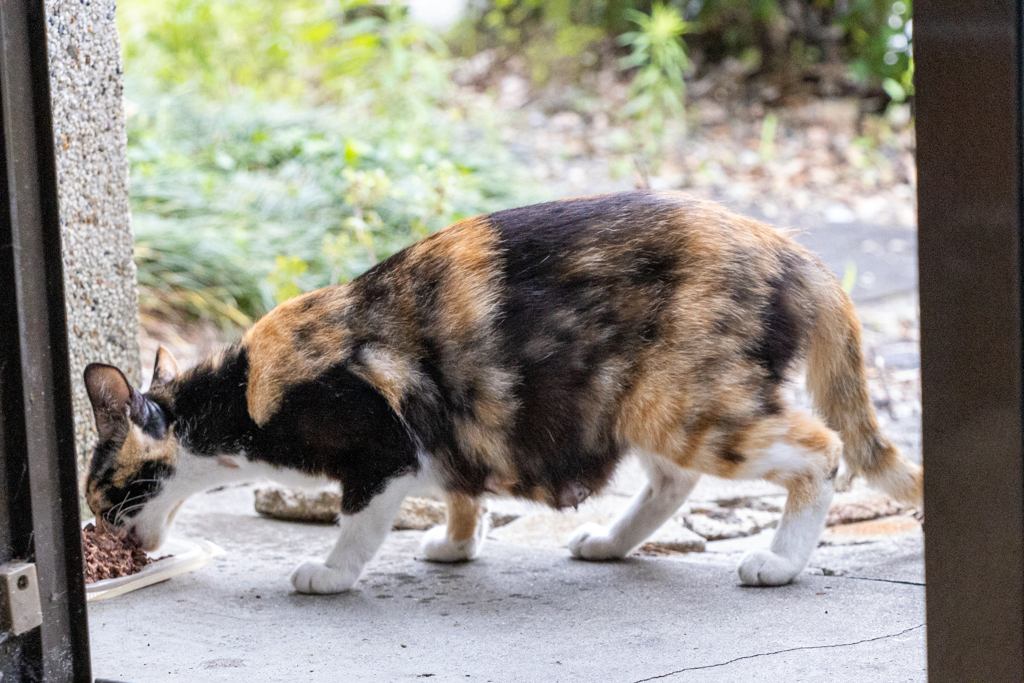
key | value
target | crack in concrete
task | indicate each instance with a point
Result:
(869, 578)
(780, 652)
(835, 574)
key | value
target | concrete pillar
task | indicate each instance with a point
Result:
(92, 171)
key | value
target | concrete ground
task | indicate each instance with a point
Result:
(520, 613)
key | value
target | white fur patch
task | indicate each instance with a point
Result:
(361, 536)
(792, 544)
(195, 474)
(779, 458)
(667, 488)
(437, 547)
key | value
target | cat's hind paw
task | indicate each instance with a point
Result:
(437, 547)
(593, 542)
(765, 568)
(316, 578)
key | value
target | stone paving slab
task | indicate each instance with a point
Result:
(518, 614)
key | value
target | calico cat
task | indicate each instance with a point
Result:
(521, 353)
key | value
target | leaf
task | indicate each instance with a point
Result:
(849, 277)
(894, 90)
(284, 278)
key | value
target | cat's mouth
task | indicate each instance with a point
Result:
(150, 534)
(148, 542)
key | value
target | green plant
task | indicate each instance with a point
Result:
(274, 48)
(880, 43)
(658, 53)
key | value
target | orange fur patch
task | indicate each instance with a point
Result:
(277, 362)
(140, 448)
(463, 516)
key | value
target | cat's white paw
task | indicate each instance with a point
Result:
(316, 578)
(592, 542)
(765, 568)
(437, 547)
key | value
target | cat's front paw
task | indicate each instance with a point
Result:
(593, 542)
(316, 578)
(437, 547)
(765, 568)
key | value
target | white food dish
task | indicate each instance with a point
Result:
(182, 556)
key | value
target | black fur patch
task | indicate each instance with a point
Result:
(210, 406)
(340, 427)
(337, 426)
(782, 336)
(432, 413)
(585, 314)
(732, 456)
(127, 500)
(150, 416)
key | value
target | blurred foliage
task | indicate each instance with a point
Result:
(872, 37)
(307, 49)
(255, 177)
(281, 146)
(554, 35)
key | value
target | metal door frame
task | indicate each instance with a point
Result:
(39, 513)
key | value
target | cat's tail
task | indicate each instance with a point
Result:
(836, 381)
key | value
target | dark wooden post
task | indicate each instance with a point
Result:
(968, 80)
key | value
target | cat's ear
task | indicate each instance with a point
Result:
(113, 399)
(165, 369)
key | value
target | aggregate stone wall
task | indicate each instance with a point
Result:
(92, 171)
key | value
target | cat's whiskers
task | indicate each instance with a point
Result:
(119, 509)
(126, 512)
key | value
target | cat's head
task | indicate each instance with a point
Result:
(138, 453)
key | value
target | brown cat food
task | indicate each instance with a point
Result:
(110, 554)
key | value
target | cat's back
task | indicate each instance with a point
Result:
(619, 254)
(555, 290)
(618, 236)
